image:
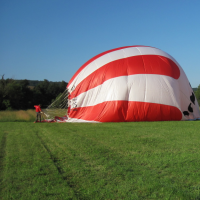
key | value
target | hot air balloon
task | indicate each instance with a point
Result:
(132, 83)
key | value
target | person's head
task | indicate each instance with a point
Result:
(40, 105)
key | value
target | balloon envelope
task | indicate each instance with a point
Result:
(133, 83)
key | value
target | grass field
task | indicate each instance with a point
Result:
(146, 160)
(17, 116)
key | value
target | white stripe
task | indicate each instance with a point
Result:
(141, 87)
(81, 120)
(116, 55)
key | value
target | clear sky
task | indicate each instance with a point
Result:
(52, 39)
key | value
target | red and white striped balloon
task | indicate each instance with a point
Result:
(132, 83)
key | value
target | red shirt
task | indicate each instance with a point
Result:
(37, 108)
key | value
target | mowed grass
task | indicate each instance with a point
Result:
(146, 160)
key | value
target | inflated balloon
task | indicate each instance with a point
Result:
(133, 83)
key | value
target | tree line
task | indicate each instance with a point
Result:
(24, 94)
(20, 94)
(197, 94)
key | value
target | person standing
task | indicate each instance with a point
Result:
(38, 112)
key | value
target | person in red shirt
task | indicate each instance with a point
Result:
(38, 112)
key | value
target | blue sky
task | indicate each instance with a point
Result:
(52, 39)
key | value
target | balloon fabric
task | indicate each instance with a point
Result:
(132, 83)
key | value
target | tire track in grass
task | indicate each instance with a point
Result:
(60, 169)
(93, 157)
(2, 156)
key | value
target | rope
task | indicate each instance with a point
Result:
(58, 107)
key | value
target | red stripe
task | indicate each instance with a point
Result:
(97, 56)
(145, 64)
(127, 111)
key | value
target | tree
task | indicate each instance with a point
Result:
(4, 99)
(16, 94)
(27, 94)
(197, 94)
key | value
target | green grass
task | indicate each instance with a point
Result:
(147, 160)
